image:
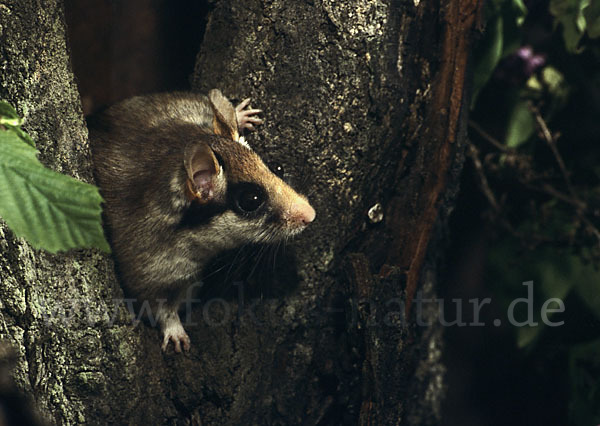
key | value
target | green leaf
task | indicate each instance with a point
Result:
(527, 336)
(557, 276)
(521, 125)
(21, 134)
(592, 17)
(51, 211)
(569, 14)
(558, 88)
(553, 78)
(501, 38)
(8, 115)
(554, 274)
(521, 9)
(9, 118)
(513, 13)
(491, 51)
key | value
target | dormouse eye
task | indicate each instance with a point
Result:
(277, 169)
(249, 198)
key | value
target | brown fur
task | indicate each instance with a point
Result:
(160, 237)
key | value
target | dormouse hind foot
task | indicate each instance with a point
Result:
(173, 332)
(179, 338)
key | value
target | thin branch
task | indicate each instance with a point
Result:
(473, 153)
(551, 141)
(591, 227)
(550, 190)
(531, 239)
(572, 199)
(489, 138)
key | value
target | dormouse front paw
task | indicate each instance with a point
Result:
(246, 118)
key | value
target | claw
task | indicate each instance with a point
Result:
(179, 341)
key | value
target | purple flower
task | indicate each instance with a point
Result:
(518, 67)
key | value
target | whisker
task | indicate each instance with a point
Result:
(276, 249)
(233, 262)
(259, 256)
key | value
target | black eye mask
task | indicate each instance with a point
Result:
(199, 214)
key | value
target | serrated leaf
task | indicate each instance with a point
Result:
(51, 211)
(9, 118)
(21, 135)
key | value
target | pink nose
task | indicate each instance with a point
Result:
(302, 212)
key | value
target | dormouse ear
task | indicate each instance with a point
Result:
(205, 177)
(225, 121)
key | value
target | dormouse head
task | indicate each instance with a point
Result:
(226, 177)
(249, 203)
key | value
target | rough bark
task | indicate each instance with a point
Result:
(366, 100)
(78, 357)
(363, 104)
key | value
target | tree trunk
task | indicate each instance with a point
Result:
(78, 357)
(364, 107)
